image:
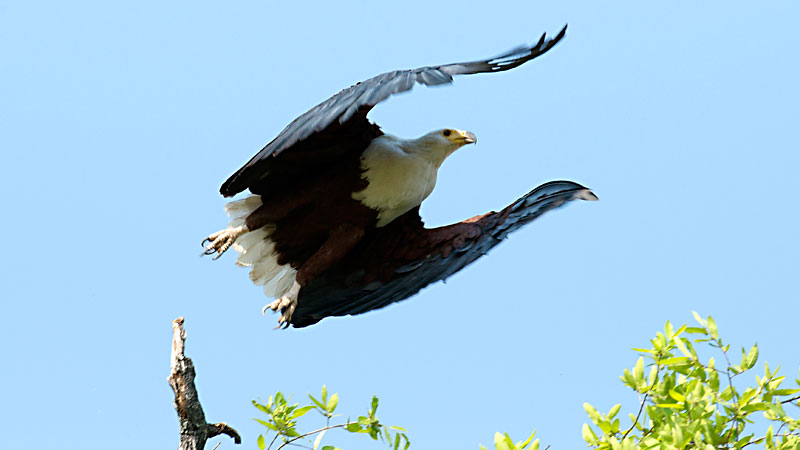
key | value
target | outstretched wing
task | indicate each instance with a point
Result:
(353, 104)
(395, 262)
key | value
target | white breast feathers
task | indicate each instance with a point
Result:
(400, 177)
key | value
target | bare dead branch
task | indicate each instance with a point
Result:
(215, 429)
(195, 431)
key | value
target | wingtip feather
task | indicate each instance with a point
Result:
(588, 195)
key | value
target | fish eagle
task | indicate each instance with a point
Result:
(333, 227)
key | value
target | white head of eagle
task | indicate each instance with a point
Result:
(402, 172)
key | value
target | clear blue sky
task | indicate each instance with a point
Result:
(119, 121)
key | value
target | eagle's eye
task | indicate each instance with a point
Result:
(446, 132)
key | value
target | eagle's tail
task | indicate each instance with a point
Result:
(257, 251)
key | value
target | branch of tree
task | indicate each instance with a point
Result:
(195, 431)
(644, 401)
(329, 427)
(791, 400)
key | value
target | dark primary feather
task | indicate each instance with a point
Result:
(361, 97)
(395, 262)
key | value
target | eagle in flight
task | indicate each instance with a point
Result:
(332, 226)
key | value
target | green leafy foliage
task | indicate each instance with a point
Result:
(687, 402)
(281, 419)
(504, 442)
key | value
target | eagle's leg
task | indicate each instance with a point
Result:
(267, 213)
(222, 240)
(340, 241)
(286, 304)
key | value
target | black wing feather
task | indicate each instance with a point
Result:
(339, 294)
(361, 97)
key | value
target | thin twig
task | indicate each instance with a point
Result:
(641, 407)
(755, 441)
(752, 441)
(309, 434)
(730, 384)
(791, 400)
(273, 440)
(778, 431)
(728, 360)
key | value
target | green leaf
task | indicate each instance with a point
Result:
(261, 407)
(611, 413)
(503, 442)
(318, 440)
(769, 437)
(784, 392)
(750, 359)
(712, 328)
(741, 442)
(330, 447)
(267, 424)
(669, 405)
(652, 377)
(365, 421)
(748, 394)
(593, 414)
(726, 394)
(627, 378)
(713, 381)
(695, 330)
(527, 441)
(588, 435)
(699, 319)
(641, 350)
(316, 402)
(300, 412)
(260, 421)
(353, 427)
(673, 360)
(677, 396)
(374, 406)
(760, 406)
(331, 405)
(638, 371)
(324, 394)
(682, 347)
(260, 441)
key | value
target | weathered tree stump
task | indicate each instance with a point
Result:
(195, 431)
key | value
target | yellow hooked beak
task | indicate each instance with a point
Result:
(463, 137)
